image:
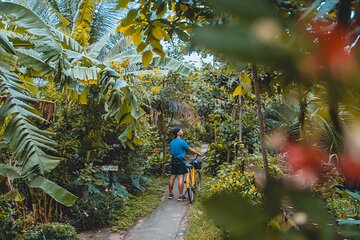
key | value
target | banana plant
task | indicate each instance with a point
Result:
(31, 47)
(28, 143)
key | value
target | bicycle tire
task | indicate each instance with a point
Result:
(198, 181)
(191, 192)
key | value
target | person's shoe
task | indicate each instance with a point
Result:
(171, 196)
(181, 198)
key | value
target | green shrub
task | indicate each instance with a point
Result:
(215, 157)
(51, 231)
(8, 228)
(96, 211)
(231, 179)
(155, 165)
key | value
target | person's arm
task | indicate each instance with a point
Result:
(194, 151)
(187, 147)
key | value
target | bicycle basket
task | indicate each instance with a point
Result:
(197, 164)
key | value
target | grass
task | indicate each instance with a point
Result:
(200, 226)
(140, 205)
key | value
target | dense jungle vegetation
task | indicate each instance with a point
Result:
(86, 84)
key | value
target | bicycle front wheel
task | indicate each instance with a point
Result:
(191, 192)
(197, 181)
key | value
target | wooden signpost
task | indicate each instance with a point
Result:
(110, 169)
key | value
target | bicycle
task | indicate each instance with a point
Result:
(193, 178)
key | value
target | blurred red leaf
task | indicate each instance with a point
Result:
(350, 168)
(303, 157)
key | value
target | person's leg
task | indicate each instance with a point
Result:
(181, 184)
(171, 185)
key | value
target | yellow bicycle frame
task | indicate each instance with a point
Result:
(191, 175)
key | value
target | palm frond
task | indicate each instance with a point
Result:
(45, 10)
(29, 24)
(166, 63)
(32, 59)
(122, 106)
(68, 43)
(67, 8)
(328, 137)
(28, 142)
(105, 20)
(108, 46)
(83, 21)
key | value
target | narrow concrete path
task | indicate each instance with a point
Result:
(169, 221)
(164, 223)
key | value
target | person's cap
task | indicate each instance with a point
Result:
(175, 131)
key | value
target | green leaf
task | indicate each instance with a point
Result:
(237, 215)
(4, 42)
(129, 18)
(60, 194)
(14, 195)
(241, 45)
(353, 194)
(9, 171)
(146, 58)
(313, 207)
(156, 32)
(123, 4)
(246, 11)
(182, 35)
(26, 19)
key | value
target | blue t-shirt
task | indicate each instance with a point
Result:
(179, 148)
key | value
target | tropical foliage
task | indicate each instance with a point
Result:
(88, 83)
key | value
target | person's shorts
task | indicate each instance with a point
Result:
(178, 166)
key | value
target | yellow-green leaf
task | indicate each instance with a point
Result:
(155, 89)
(130, 30)
(146, 58)
(142, 46)
(158, 51)
(136, 38)
(123, 4)
(156, 32)
(237, 91)
(84, 96)
(129, 18)
(245, 79)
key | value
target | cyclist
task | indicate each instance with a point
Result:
(178, 147)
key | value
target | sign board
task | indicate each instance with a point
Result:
(110, 168)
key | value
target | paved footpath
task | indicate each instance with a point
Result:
(167, 222)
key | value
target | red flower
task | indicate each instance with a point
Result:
(302, 157)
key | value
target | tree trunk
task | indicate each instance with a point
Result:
(260, 120)
(242, 161)
(162, 133)
(240, 125)
(228, 155)
(302, 115)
